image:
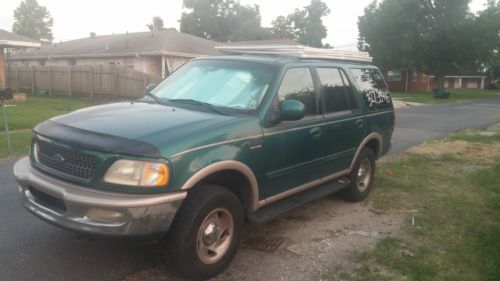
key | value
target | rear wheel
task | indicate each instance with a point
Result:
(361, 177)
(206, 232)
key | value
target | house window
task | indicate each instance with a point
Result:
(393, 75)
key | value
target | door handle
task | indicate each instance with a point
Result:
(315, 132)
(359, 123)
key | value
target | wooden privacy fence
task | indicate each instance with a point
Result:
(111, 81)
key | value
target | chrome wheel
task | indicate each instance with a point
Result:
(215, 236)
(364, 175)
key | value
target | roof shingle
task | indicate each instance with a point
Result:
(152, 43)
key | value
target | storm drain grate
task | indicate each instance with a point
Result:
(262, 244)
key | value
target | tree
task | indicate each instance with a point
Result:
(222, 20)
(362, 45)
(304, 25)
(282, 28)
(488, 25)
(433, 36)
(33, 21)
(156, 24)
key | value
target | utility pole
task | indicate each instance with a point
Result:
(6, 126)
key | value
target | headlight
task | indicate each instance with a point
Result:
(137, 173)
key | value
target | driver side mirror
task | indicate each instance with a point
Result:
(292, 110)
(150, 87)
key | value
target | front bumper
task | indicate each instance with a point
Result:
(93, 211)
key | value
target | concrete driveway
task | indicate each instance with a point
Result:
(33, 250)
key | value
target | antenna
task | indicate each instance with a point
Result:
(302, 52)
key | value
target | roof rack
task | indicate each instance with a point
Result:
(296, 51)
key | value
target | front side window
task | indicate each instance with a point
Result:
(298, 85)
(227, 84)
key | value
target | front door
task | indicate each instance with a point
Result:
(294, 150)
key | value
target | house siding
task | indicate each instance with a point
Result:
(413, 81)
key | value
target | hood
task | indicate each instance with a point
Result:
(142, 129)
(138, 120)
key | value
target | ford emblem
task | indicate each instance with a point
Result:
(58, 158)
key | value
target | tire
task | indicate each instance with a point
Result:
(361, 177)
(203, 225)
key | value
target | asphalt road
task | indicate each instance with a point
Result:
(34, 250)
(417, 124)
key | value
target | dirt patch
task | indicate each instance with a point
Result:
(404, 104)
(488, 153)
(325, 234)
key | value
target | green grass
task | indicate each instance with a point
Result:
(476, 138)
(24, 116)
(37, 109)
(20, 141)
(456, 235)
(457, 95)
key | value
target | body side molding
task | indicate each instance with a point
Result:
(372, 136)
(224, 166)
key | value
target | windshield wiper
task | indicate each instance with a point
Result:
(157, 99)
(207, 105)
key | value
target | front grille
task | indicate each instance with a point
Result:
(47, 200)
(66, 161)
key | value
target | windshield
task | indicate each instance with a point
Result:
(229, 84)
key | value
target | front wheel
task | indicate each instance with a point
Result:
(361, 177)
(206, 232)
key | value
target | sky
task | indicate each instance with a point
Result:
(75, 19)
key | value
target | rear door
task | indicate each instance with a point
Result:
(344, 123)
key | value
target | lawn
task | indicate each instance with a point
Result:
(456, 95)
(453, 206)
(24, 116)
(20, 141)
(37, 109)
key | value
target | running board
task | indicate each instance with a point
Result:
(279, 208)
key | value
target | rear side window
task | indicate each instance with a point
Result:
(298, 85)
(372, 85)
(334, 89)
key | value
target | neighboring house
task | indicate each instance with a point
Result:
(414, 81)
(159, 53)
(12, 40)
(266, 42)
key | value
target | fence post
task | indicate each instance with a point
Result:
(91, 82)
(50, 80)
(17, 79)
(32, 76)
(116, 87)
(70, 83)
(145, 82)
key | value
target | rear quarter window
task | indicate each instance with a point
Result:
(373, 88)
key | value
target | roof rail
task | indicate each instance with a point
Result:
(296, 51)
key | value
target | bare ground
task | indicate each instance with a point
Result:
(488, 153)
(329, 233)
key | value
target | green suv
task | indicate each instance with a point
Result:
(221, 141)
